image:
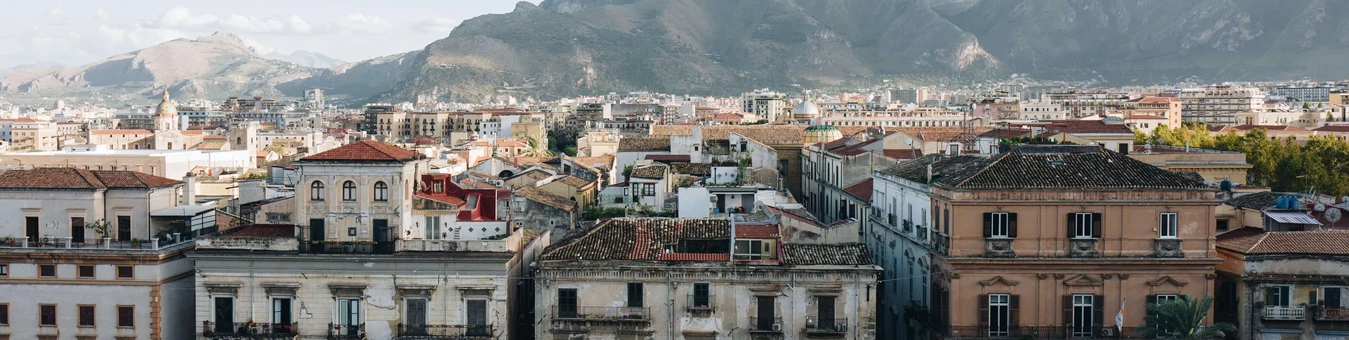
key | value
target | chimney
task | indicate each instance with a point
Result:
(190, 189)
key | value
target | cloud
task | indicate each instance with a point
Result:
(102, 14)
(436, 25)
(257, 46)
(182, 18)
(361, 24)
(57, 16)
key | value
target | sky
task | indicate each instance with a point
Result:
(77, 32)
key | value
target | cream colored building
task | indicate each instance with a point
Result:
(166, 163)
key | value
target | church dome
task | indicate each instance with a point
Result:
(820, 134)
(806, 109)
(166, 107)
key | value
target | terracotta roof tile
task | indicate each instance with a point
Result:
(767, 134)
(1268, 128)
(756, 231)
(1332, 128)
(121, 132)
(902, 153)
(643, 144)
(650, 172)
(861, 190)
(575, 182)
(1043, 167)
(670, 130)
(854, 254)
(1322, 242)
(542, 197)
(365, 151)
(638, 239)
(442, 198)
(71, 178)
(1087, 126)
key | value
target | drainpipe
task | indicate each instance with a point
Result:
(669, 306)
(857, 310)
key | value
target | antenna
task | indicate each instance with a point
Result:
(1333, 215)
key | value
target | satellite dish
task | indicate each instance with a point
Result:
(1333, 215)
(910, 142)
(1319, 207)
(1344, 199)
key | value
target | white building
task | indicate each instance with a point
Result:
(166, 163)
(1218, 105)
(360, 191)
(1042, 111)
(898, 233)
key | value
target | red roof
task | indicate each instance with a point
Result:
(1333, 128)
(903, 153)
(71, 178)
(693, 257)
(1269, 128)
(669, 158)
(443, 198)
(366, 150)
(861, 190)
(121, 132)
(756, 231)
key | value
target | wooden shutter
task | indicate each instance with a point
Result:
(1311, 297)
(1011, 225)
(1152, 299)
(1068, 309)
(1098, 310)
(1269, 296)
(1014, 311)
(988, 225)
(1096, 225)
(983, 310)
(1072, 230)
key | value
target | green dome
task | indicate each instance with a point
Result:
(821, 128)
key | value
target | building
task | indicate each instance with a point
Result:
(765, 104)
(1283, 284)
(1169, 108)
(164, 132)
(837, 177)
(1042, 111)
(1218, 105)
(1115, 230)
(919, 117)
(1213, 165)
(163, 163)
(688, 279)
(1303, 93)
(358, 192)
(85, 254)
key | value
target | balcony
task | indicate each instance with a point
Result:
(602, 313)
(48, 332)
(106, 244)
(248, 330)
(765, 325)
(908, 227)
(831, 326)
(348, 247)
(1284, 313)
(1082, 247)
(451, 245)
(941, 243)
(999, 247)
(700, 303)
(444, 332)
(125, 333)
(346, 332)
(890, 218)
(1332, 313)
(1041, 332)
(1167, 248)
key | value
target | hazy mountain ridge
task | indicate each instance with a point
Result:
(306, 59)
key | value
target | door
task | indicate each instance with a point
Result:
(316, 234)
(477, 318)
(382, 244)
(826, 312)
(416, 322)
(124, 228)
(224, 315)
(77, 229)
(31, 230)
(765, 313)
(281, 317)
(1332, 297)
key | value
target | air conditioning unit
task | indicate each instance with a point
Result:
(843, 327)
(1107, 331)
(777, 327)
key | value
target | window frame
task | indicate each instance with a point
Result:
(639, 297)
(4, 270)
(349, 191)
(1006, 226)
(41, 317)
(1285, 296)
(42, 270)
(1004, 302)
(130, 269)
(344, 313)
(1321, 296)
(1159, 298)
(563, 302)
(1087, 302)
(79, 271)
(381, 192)
(707, 294)
(1168, 225)
(1084, 228)
(316, 191)
(79, 316)
(4, 314)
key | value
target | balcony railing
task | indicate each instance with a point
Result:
(817, 325)
(1332, 313)
(63, 243)
(700, 302)
(1041, 332)
(907, 227)
(249, 329)
(346, 332)
(891, 219)
(348, 247)
(443, 332)
(602, 313)
(941, 243)
(1284, 313)
(765, 325)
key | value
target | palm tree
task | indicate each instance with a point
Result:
(536, 148)
(1183, 319)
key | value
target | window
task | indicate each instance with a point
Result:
(999, 315)
(749, 250)
(381, 192)
(1332, 297)
(1222, 225)
(1167, 297)
(1084, 225)
(281, 314)
(47, 315)
(4, 270)
(824, 309)
(1082, 313)
(416, 317)
(349, 191)
(1277, 296)
(999, 225)
(316, 191)
(349, 315)
(86, 316)
(47, 270)
(1168, 225)
(634, 294)
(4, 314)
(649, 189)
(702, 295)
(126, 272)
(566, 303)
(86, 272)
(437, 186)
(223, 314)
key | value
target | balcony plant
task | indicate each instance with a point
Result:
(1183, 319)
(101, 227)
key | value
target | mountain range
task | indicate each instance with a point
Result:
(306, 58)
(578, 47)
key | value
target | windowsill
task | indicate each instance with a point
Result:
(126, 327)
(1084, 238)
(1168, 238)
(86, 326)
(1000, 238)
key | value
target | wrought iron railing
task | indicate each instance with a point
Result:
(1332, 313)
(443, 331)
(601, 313)
(251, 329)
(346, 332)
(765, 324)
(696, 302)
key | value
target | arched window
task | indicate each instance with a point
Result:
(349, 191)
(381, 192)
(316, 191)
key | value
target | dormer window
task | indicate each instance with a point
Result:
(438, 186)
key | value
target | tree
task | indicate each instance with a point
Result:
(1183, 319)
(536, 148)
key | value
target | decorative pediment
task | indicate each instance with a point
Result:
(1082, 280)
(227, 288)
(347, 290)
(416, 291)
(281, 289)
(998, 280)
(1167, 280)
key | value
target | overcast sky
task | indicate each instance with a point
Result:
(75, 32)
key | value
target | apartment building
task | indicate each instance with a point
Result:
(1219, 105)
(1283, 284)
(65, 278)
(1114, 235)
(664, 278)
(919, 117)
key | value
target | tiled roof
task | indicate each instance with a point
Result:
(861, 190)
(1219, 128)
(1144, 117)
(1268, 128)
(1156, 100)
(1256, 200)
(1044, 167)
(941, 134)
(756, 231)
(854, 254)
(1087, 126)
(669, 158)
(120, 132)
(365, 151)
(644, 144)
(767, 134)
(263, 230)
(694, 257)
(650, 172)
(542, 197)
(1321, 242)
(670, 130)
(903, 153)
(1332, 128)
(855, 149)
(71, 178)
(575, 182)
(442, 198)
(1005, 133)
(639, 239)
(534, 174)
(691, 168)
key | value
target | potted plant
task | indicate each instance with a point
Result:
(101, 227)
